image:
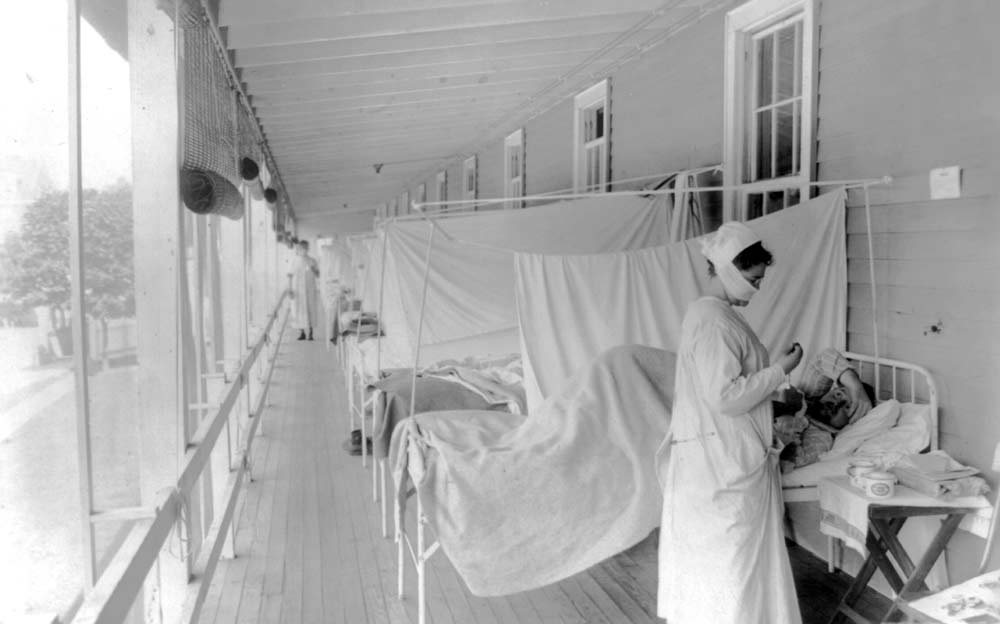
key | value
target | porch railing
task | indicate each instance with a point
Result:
(121, 584)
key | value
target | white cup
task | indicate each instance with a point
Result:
(858, 469)
(879, 484)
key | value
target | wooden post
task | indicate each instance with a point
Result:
(157, 210)
(234, 337)
(79, 322)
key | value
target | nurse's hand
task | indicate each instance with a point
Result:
(791, 358)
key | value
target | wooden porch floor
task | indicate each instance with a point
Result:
(309, 545)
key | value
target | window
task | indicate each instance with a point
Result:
(768, 140)
(591, 153)
(442, 187)
(513, 168)
(469, 178)
(404, 203)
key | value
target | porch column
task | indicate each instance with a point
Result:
(157, 210)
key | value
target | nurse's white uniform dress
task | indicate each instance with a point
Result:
(722, 554)
(306, 298)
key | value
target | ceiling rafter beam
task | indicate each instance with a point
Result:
(346, 94)
(321, 126)
(523, 14)
(473, 98)
(409, 77)
(265, 11)
(455, 48)
(432, 60)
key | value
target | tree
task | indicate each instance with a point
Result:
(36, 259)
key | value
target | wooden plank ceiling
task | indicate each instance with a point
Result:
(417, 85)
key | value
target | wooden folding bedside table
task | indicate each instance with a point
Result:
(849, 513)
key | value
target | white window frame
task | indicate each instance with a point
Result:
(442, 187)
(513, 173)
(470, 178)
(742, 24)
(593, 97)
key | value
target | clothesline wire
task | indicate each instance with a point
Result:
(462, 203)
(435, 218)
(665, 177)
(419, 206)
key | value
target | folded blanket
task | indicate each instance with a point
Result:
(432, 394)
(485, 385)
(518, 502)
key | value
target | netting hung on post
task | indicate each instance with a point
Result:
(209, 178)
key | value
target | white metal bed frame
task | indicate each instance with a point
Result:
(904, 380)
(897, 373)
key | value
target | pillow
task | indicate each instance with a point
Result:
(911, 434)
(879, 420)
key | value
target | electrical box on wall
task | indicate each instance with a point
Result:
(946, 182)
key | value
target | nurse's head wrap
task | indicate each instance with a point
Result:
(721, 247)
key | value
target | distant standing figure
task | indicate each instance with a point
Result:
(304, 293)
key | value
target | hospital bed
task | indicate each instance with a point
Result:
(483, 383)
(916, 430)
(418, 447)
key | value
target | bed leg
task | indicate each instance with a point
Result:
(374, 477)
(421, 563)
(364, 431)
(385, 503)
(350, 399)
(399, 558)
(376, 394)
(832, 554)
(399, 552)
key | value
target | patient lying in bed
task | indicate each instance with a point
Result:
(829, 397)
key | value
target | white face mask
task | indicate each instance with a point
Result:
(736, 286)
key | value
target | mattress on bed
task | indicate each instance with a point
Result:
(432, 394)
(890, 431)
(488, 382)
(518, 502)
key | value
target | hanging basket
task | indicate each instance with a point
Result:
(206, 192)
(249, 170)
(271, 196)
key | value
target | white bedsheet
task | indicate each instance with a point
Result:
(470, 286)
(518, 502)
(883, 442)
(572, 307)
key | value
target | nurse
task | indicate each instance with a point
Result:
(304, 294)
(722, 552)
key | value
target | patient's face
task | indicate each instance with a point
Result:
(834, 408)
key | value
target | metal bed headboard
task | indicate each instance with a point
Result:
(903, 381)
